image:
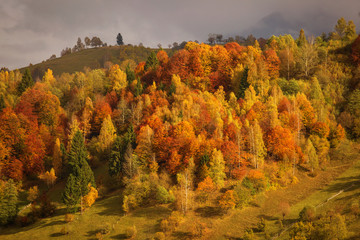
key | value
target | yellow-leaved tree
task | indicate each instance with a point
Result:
(48, 177)
(117, 78)
(89, 199)
(107, 134)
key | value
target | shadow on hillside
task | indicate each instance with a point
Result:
(58, 234)
(112, 206)
(182, 235)
(267, 218)
(119, 236)
(347, 184)
(53, 223)
(152, 212)
(14, 229)
(208, 211)
(92, 234)
(350, 197)
(302, 168)
(289, 221)
(59, 212)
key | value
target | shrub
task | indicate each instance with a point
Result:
(170, 224)
(164, 226)
(354, 208)
(330, 228)
(99, 236)
(131, 232)
(33, 193)
(301, 230)
(249, 235)
(261, 225)
(69, 217)
(206, 189)
(199, 230)
(27, 220)
(163, 196)
(243, 195)
(159, 236)
(105, 229)
(47, 209)
(257, 180)
(137, 192)
(65, 230)
(90, 198)
(307, 214)
(228, 200)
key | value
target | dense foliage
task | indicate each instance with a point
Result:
(195, 120)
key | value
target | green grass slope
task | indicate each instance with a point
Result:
(92, 58)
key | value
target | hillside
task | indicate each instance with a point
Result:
(207, 142)
(342, 174)
(92, 58)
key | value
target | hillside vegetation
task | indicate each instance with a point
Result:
(186, 146)
(92, 58)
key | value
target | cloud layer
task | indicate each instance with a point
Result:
(33, 30)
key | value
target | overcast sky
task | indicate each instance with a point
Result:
(33, 30)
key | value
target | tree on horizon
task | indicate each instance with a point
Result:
(119, 39)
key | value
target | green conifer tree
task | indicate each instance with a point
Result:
(301, 41)
(80, 171)
(151, 62)
(8, 202)
(244, 84)
(71, 195)
(130, 75)
(2, 102)
(130, 137)
(115, 164)
(26, 82)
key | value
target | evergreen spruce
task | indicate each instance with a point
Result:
(130, 137)
(301, 41)
(122, 151)
(119, 39)
(138, 88)
(244, 84)
(130, 75)
(81, 174)
(71, 195)
(26, 82)
(115, 165)
(2, 102)
(151, 62)
(8, 203)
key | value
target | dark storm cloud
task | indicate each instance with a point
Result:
(32, 30)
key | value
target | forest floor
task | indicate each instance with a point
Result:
(343, 173)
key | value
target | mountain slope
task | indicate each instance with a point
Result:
(92, 58)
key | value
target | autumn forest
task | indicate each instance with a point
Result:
(202, 132)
